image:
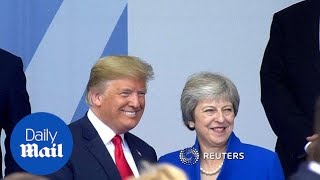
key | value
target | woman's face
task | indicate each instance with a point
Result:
(214, 121)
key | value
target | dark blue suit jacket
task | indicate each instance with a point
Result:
(14, 102)
(304, 173)
(258, 163)
(290, 75)
(90, 158)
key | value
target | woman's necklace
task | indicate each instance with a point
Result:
(211, 173)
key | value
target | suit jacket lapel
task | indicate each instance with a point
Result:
(98, 150)
(136, 153)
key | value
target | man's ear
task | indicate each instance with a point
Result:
(96, 98)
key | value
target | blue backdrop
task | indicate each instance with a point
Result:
(59, 41)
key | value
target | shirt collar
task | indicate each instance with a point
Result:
(104, 131)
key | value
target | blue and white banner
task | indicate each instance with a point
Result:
(59, 41)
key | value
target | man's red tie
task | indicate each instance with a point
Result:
(121, 162)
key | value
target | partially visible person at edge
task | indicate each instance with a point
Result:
(162, 171)
(289, 77)
(209, 105)
(24, 176)
(103, 147)
(310, 170)
(14, 103)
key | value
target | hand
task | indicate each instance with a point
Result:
(312, 138)
(315, 141)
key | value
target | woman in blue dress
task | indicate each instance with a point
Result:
(209, 105)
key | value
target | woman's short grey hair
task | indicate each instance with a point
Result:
(206, 85)
(115, 67)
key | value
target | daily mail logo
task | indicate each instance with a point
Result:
(32, 150)
(41, 140)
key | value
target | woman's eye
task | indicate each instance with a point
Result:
(228, 111)
(208, 110)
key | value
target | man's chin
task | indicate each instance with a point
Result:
(128, 127)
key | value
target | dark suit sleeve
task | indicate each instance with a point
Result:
(18, 107)
(284, 115)
(154, 157)
(65, 172)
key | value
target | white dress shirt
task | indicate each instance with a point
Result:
(106, 134)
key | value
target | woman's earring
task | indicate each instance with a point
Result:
(191, 124)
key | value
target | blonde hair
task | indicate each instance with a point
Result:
(161, 172)
(24, 176)
(116, 67)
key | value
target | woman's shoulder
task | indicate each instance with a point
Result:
(186, 159)
(262, 161)
(170, 156)
(251, 149)
(258, 151)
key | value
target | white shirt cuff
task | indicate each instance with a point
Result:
(306, 146)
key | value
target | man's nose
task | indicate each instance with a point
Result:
(134, 101)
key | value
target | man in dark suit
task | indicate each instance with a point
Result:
(14, 102)
(290, 75)
(103, 148)
(310, 170)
